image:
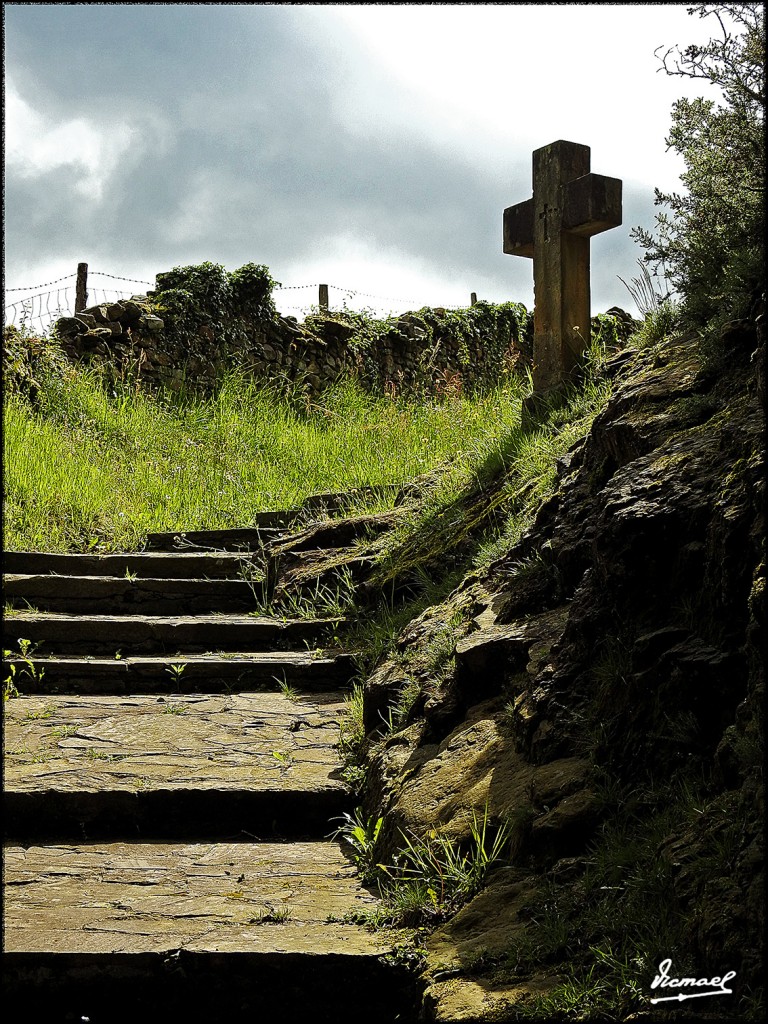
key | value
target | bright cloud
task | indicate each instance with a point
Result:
(36, 144)
(370, 146)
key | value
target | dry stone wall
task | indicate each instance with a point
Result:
(433, 350)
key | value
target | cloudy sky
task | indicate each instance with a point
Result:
(370, 147)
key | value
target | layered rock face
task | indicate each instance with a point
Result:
(610, 656)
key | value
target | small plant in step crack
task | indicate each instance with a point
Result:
(131, 576)
(410, 955)
(354, 776)
(62, 732)
(176, 671)
(256, 577)
(272, 915)
(10, 690)
(372, 918)
(288, 691)
(22, 667)
(360, 834)
(175, 709)
(37, 716)
(352, 739)
(102, 755)
(10, 610)
(284, 758)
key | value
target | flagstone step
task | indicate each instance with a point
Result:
(61, 633)
(340, 502)
(172, 766)
(250, 539)
(146, 564)
(110, 595)
(127, 932)
(311, 672)
(168, 799)
(339, 533)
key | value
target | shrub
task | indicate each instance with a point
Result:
(710, 243)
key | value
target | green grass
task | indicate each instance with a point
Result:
(86, 469)
(484, 503)
(431, 875)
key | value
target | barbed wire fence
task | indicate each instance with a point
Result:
(37, 309)
(340, 297)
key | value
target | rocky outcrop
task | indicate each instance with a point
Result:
(604, 666)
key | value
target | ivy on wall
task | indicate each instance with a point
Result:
(206, 302)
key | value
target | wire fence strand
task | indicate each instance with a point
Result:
(43, 308)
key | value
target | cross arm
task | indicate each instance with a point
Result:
(518, 229)
(591, 204)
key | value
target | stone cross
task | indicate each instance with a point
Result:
(554, 227)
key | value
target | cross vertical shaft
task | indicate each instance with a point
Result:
(560, 267)
(569, 205)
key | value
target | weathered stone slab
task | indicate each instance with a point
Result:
(200, 673)
(155, 565)
(160, 765)
(269, 525)
(235, 931)
(102, 595)
(137, 634)
(150, 896)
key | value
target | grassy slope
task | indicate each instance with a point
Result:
(87, 469)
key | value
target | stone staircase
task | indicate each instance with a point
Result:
(171, 779)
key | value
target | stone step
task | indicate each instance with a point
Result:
(339, 533)
(203, 932)
(252, 539)
(59, 633)
(161, 766)
(340, 502)
(114, 595)
(310, 672)
(145, 564)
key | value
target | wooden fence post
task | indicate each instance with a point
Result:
(324, 298)
(81, 288)
(473, 298)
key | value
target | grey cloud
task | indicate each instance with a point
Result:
(236, 98)
(81, 58)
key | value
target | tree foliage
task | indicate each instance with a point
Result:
(710, 243)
